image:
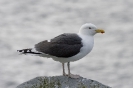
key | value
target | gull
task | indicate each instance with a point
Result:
(67, 47)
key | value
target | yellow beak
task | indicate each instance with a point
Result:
(100, 31)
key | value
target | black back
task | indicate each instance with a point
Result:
(64, 45)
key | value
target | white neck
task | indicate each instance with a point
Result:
(84, 32)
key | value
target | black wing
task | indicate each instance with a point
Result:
(64, 45)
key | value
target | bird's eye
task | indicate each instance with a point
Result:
(89, 27)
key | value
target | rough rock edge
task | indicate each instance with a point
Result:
(61, 82)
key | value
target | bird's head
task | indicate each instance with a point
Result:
(90, 29)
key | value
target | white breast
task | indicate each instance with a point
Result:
(88, 42)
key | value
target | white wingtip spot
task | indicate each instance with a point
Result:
(28, 50)
(49, 40)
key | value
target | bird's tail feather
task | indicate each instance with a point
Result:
(27, 51)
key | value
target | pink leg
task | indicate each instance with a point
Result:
(63, 67)
(69, 73)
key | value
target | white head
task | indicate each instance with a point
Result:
(90, 29)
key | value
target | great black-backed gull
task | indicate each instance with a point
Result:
(67, 47)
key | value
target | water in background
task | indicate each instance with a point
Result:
(24, 23)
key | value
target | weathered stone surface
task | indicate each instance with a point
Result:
(61, 82)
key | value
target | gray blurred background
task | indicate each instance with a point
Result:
(24, 23)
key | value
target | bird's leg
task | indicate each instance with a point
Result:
(63, 67)
(69, 73)
(68, 65)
